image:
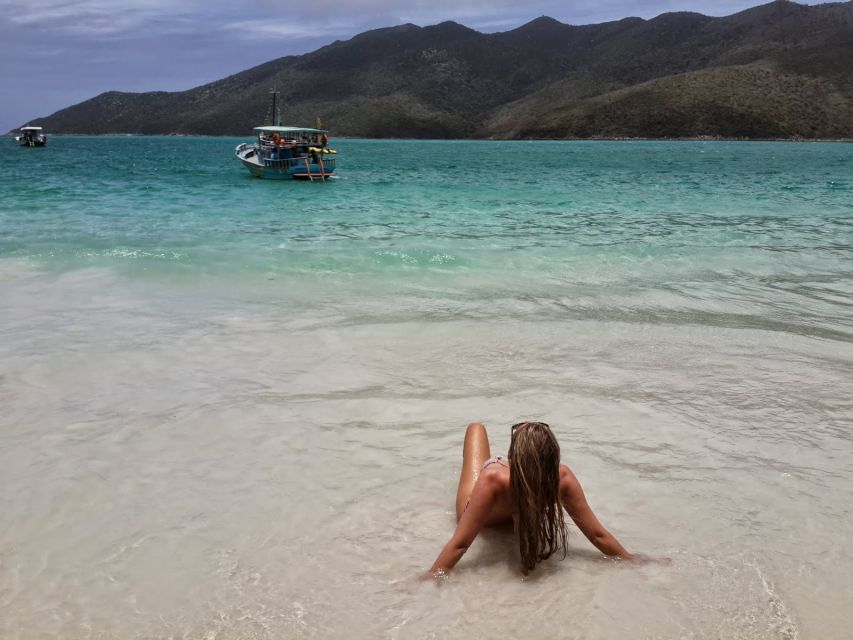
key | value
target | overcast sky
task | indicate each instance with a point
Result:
(55, 53)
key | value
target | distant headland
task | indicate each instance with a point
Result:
(777, 71)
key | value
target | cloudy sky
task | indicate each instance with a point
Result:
(55, 53)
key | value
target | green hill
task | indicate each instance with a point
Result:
(777, 70)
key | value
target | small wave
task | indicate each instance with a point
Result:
(442, 258)
(135, 254)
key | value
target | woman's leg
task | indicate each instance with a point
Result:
(475, 452)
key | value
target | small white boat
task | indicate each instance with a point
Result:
(31, 137)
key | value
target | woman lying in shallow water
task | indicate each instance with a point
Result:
(529, 489)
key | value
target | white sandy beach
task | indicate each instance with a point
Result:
(215, 460)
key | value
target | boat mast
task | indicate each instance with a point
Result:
(276, 120)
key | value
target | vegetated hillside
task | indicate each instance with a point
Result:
(750, 101)
(777, 70)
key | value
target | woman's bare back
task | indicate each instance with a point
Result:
(500, 514)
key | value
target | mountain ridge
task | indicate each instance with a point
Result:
(680, 74)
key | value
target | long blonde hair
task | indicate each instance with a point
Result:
(534, 464)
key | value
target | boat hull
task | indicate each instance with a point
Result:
(31, 143)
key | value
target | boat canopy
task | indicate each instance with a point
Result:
(297, 130)
(30, 128)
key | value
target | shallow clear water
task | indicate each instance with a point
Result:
(234, 408)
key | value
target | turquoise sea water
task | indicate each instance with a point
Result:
(187, 352)
(399, 206)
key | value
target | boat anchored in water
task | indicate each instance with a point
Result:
(288, 152)
(31, 137)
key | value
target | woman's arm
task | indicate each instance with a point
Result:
(480, 505)
(574, 502)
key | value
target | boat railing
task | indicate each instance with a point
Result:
(283, 163)
(287, 163)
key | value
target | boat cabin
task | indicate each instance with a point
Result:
(279, 143)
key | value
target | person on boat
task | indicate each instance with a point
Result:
(529, 489)
(324, 140)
